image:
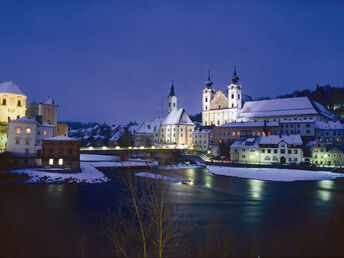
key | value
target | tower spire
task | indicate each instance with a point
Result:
(209, 83)
(235, 77)
(172, 93)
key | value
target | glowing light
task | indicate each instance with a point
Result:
(142, 147)
(256, 188)
(153, 147)
(325, 155)
(130, 147)
(90, 148)
(117, 147)
(208, 151)
(104, 147)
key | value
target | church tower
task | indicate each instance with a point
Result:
(234, 97)
(172, 99)
(48, 110)
(207, 93)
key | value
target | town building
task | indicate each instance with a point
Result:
(177, 127)
(329, 131)
(320, 153)
(24, 140)
(47, 109)
(12, 102)
(61, 152)
(201, 138)
(148, 133)
(268, 149)
(220, 108)
(12, 106)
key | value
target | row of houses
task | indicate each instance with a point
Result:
(35, 140)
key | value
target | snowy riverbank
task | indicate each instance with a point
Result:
(273, 174)
(88, 174)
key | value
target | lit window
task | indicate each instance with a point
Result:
(51, 161)
(28, 131)
(17, 130)
(45, 132)
(60, 162)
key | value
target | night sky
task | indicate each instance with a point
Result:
(113, 61)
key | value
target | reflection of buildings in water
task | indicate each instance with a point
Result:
(256, 188)
(325, 195)
(60, 195)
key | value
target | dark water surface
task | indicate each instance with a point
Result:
(63, 219)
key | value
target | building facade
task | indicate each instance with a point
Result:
(268, 149)
(201, 138)
(61, 152)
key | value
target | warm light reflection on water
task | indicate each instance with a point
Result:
(325, 195)
(256, 188)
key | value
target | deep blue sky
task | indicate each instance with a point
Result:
(113, 61)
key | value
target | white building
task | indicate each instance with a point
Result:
(201, 138)
(177, 127)
(220, 108)
(148, 133)
(268, 149)
(24, 139)
(12, 102)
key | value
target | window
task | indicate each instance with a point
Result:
(232, 96)
(51, 161)
(263, 150)
(60, 162)
(206, 99)
(295, 151)
(308, 125)
(275, 150)
(3, 101)
(17, 130)
(27, 142)
(19, 103)
(289, 151)
(283, 151)
(28, 131)
(243, 150)
(243, 156)
(269, 150)
(45, 132)
(308, 131)
(17, 140)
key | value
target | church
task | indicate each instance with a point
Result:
(221, 108)
(177, 127)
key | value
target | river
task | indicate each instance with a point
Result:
(267, 217)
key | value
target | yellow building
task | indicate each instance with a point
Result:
(12, 102)
(48, 110)
(61, 129)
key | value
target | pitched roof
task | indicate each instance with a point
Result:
(60, 138)
(177, 116)
(278, 107)
(251, 124)
(149, 126)
(25, 119)
(49, 101)
(10, 87)
(328, 125)
(276, 139)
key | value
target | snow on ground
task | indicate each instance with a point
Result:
(93, 157)
(157, 176)
(180, 166)
(273, 174)
(108, 164)
(88, 174)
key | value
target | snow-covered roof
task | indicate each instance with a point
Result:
(178, 116)
(322, 110)
(248, 142)
(49, 101)
(310, 143)
(296, 121)
(60, 138)
(10, 87)
(202, 131)
(328, 125)
(278, 107)
(132, 129)
(251, 124)
(25, 119)
(276, 139)
(149, 126)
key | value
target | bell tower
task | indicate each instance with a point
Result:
(172, 99)
(234, 96)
